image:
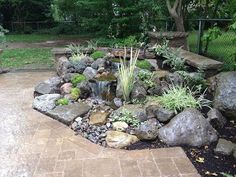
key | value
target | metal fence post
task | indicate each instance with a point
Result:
(199, 41)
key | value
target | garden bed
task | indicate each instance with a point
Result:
(126, 103)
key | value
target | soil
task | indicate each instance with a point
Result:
(213, 164)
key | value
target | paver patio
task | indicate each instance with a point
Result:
(34, 145)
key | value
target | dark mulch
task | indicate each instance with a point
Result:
(214, 164)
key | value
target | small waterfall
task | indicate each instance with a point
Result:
(102, 89)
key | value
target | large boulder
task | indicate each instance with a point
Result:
(148, 130)
(138, 92)
(117, 139)
(85, 89)
(82, 64)
(188, 128)
(67, 113)
(136, 110)
(100, 62)
(49, 86)
(45, 103)
(224, 86)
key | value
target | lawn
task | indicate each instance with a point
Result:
(27, 58)
(221, 49)
(30, 38)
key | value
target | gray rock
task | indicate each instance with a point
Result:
(68, 76)
(136, 110)
(64, 66)
(81, 65)
(98, 63)
(45, 103)
(174, 78)
(224, 147)
(120, 126)
(116, 103)
(85, 89)
(138, 92)
(225, 93)
(90, 73)
(188, 128)
(216, 119)
(148, 130)
(119, 92)
(163, 114)
(234, 154)
(66, 114)
(66, 88)
(49, 86)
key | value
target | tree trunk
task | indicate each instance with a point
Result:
(177, 14)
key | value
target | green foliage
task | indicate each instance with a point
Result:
(144, 64)
(98, 54)
(177, 98)
(75, 49)
(172, 57)
(210, 35)
(76, 79)
(127, 117)
(77, 57)
(62, 102)
(75, 93)
(130, 41)
(92, 45)
(2, 36)
(195, 81)
(146, 77)
(126, 74)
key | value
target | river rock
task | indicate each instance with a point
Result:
(66, 88)
(64, 66)
(49, 86)
(174, 78)
(45, 103)
(117, 139)
(81, 65)
(120, 126)
(224, 85)
(85, 89)
(98, 63)
(148, 130)
(67, 113)
(116, 103)
(90, 73)
(136, 110)
(188, 128)
(224, 147)
(216, 119)
(98, 118)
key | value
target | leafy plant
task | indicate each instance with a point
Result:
(172, 57)
(127, 117)
(76, 79)
(62, 101)
(194, 81)
(210, 35)
(144, 64)
(126, 73)
(76, 49)
(98, 54)
(130, 41)
(75, 93)
(77, 57)
(92, 45)
(177, 98)
(146, 77)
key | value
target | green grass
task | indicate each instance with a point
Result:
(30, 38)
(23, 58)
(220, 49)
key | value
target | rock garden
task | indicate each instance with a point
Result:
(135, 99)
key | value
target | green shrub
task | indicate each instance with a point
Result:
(76, 49)
(62, 101)
(146, 77)
(127, 117)
(75, 93)
(126, 74)
(130, 41)
(76, 79)
(144, 64)
(77, 57)
(177, 98)
(98, 54)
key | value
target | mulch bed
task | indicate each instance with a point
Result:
(204, 159)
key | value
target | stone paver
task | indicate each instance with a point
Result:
(34, 145)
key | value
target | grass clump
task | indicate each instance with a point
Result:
(98, 54)
(62, 102)
(144, 64)
(76, 79)
(127, 117)
(177, 98)
(75, 93)
(126, 73)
